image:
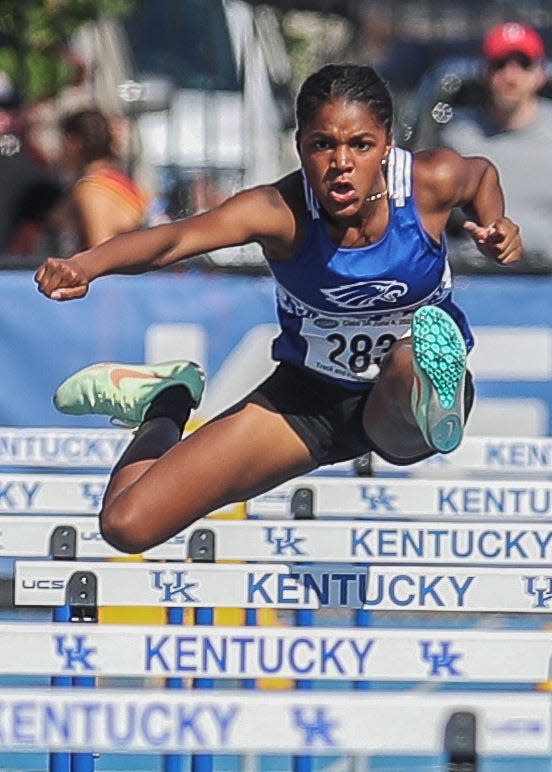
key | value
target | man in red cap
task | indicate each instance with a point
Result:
(513, 38)
(514, 129)
(515, 69)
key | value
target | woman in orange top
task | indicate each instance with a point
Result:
(106, 201)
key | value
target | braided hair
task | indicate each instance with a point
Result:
(352, 82)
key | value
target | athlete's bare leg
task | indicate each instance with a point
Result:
(247, 450)
(388, 419)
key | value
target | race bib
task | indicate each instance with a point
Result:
(350, 349)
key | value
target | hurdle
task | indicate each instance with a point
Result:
(476, 456)
(409, 548)
(388, 498)
(101, 448)
(309, 496)
(56, 494)
(52, 725)
(411, 542)
(385, 588)
(29, 448)
(422, 654)
(159, 721)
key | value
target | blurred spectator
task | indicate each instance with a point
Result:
(513, 128)
(104, 200)
(42, 115)
(28, 192)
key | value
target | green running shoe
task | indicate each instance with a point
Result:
(439, 360)
(123, 391)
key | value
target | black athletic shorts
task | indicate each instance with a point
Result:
(327, 416)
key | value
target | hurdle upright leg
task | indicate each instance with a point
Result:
(80, 607)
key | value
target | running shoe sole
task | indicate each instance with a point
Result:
(439, 360)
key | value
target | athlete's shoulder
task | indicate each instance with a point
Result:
(438, 172)
(284, 197)
(291, 190)
(436, 160)
(282, 193)
(266, 213)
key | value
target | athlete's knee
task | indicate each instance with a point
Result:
(123, 527)
(397, 365)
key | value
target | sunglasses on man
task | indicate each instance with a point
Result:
(522, 60)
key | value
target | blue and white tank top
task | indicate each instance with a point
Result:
(341, 309)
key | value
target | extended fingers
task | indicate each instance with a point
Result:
(500, 240)
(509, 246)
(511, 252)
(477, 232)
(487, 235)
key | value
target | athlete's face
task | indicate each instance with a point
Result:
(342, 149)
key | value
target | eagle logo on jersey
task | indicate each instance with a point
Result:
(365, 294)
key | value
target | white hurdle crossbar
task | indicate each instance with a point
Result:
(513, 456)
(309, 496)
(55, 494)
(353, 541)
(61, 448)
(100, 449)
(131, 721)
(373, 497)
(190, 585)
(431, 655)
(407, 542)
(174, 585)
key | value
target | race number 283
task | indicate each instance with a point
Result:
(359, 351)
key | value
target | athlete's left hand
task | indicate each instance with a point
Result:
(500, 240)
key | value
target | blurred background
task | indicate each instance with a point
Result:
(200, 95)
(199, 99)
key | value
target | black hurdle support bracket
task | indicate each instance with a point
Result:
(461, 742)
(82, 596)
(302, 504)
(63, 543)
(201, 546)
(363, 465)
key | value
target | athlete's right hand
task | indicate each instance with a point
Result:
(62, 279)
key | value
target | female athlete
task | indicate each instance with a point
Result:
(372, 348)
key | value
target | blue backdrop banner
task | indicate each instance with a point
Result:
(227, 323)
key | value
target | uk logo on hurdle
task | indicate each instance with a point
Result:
(173, 586)
(284, 540)
(441, 658)
(539, 588)
(75, 655)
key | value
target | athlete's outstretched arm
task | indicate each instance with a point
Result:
(447, 179)
(259, 214)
